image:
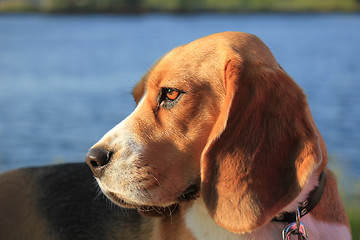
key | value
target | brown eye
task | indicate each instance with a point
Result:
(172, 94)
(169, 97)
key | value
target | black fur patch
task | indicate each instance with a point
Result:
(70, 201)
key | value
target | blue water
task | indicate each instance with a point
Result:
(66, 80)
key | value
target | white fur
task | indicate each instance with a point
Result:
(122, 175)
(121, 134)
(197, 217)
(204, 227)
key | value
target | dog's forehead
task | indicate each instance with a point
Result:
(200, 59)
(207, 57)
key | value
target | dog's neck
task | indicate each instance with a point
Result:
(204, 227)
(312, 183)
(209, 230)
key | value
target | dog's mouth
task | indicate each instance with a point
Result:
(119, 201)
(146, 210)
(191, 193)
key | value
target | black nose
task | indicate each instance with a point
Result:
(97, 159)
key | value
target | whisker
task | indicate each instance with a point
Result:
(157, 210)
(160, 184)
(98, 190)
(170, 215)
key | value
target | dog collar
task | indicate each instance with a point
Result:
(307, 205)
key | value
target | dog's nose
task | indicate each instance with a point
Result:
(97, 159)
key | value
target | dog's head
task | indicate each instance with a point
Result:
(217, 118)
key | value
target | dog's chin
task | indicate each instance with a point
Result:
(153, 210)
(145, 210)
(119, 201)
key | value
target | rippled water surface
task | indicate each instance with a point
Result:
(66, 80)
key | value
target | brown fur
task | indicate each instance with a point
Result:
(259, 143)
(173, 226)
(268, 149)
(241, 130)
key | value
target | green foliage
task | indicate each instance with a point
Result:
(350, 193)
(17, 6)
(353, 211)
(138, 6)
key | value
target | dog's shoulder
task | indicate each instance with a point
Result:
(63, 202)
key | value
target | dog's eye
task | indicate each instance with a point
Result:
(169, 96)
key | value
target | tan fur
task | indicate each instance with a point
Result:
(264, 156)
(173, 226)
(138, 90)
(258, 144)
(241, 133)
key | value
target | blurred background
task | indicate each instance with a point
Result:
(67, 68)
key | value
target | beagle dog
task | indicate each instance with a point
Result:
(221, 145)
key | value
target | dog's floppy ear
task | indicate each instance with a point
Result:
(263, 146)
